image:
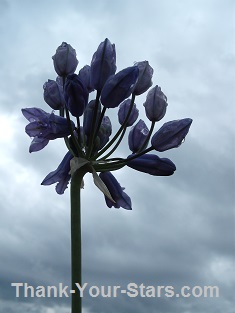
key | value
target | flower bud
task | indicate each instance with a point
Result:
(137, 136)
(145, 77)
(85, 75)
(155, 105)
(119, 87)
(171, 134)
(53, 94)
(103, 64)
(153, 165)
(116, 191)
(88, 117)
(65, 60)
(105, 132)
(76, 95)
(123, 111)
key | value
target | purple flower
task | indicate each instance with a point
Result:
(44, 127)
(76, 95)
(105, 132)
(65, 61)
(137, 136)
(155, 105)
(60, 175)
(123, 111)
(53, 94)
(145, 77)
(85, 76)
(153, 165)
(119, 196)
(88, 117)
(103, 64)
(119, 87)
(171, 134)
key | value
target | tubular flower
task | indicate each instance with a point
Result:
(53, 94)
(152, 164)
(76, 95)
(119, 196)
(156, 104)
(60, 175)
(119, 87)
(44, 127)
(137, 136)
(171, 134)
(145, 77)
(103, 64)
(123, 111)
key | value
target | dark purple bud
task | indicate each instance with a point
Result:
(103, 64)
(76, 95)
(53, 94)
(119, 196)
(105, 132)
(60, 175)
(123, 111)
(44, 126)
(171, 134)
(85, 76)
(155, 105)
(119, 87)
(88, 117)
(145, 77)
(65, 60)
(153, 165)
(137, 136)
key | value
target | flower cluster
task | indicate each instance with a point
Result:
(87, 129)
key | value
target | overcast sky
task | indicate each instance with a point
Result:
(181, 229)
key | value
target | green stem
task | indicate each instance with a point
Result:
(76, 240)
(75, 142)
(109, 144)
(115, 147)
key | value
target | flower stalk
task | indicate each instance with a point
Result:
(76, 237)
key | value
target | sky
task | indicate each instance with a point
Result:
(181, 229)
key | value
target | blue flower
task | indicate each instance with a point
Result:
(171, 134)
(119, 87)
(103, 64)
(152, 164)
(60, 175)
(105, 132)
(85, 76)
(88, 117)
(53, 94)
(123, 111)
(119, 196)
(145, 77)
(76, 95)
(65, 61)
(156, 104)
(44, 127)
(137, 136)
